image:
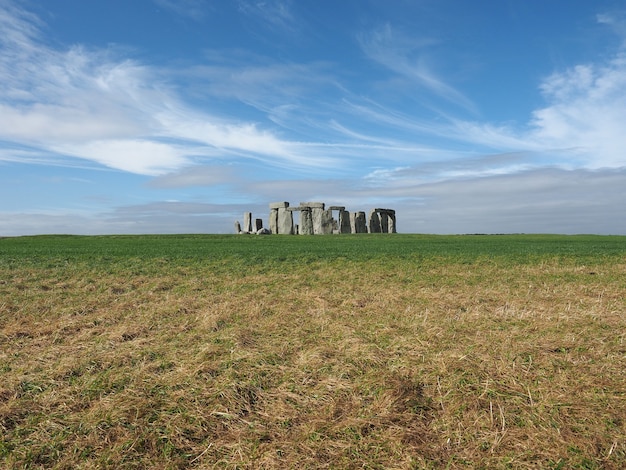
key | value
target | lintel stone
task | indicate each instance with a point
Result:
(313, 205)
(279, 205)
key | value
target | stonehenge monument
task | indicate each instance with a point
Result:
(315, 219)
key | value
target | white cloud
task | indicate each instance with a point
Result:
(277, 14)
(116, 112)
(616, 21)
(407, 57)
(586, 112)
(134, 156)
(47, 123)
(196, 176)
(537, 201)
(194, 9)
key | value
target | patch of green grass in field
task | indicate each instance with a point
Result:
(406, 351)
(302, 248)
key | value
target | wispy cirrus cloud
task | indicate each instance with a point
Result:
(586, 112)
(195, 9)
(276, 14)
(615, 20)
(97, 106)
(578, 126)
(105, 108)
(407, 56)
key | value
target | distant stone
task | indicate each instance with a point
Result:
(274, 220)
(374, 226)
(285, 222)
(384, 221)
(315, 218)
(344, 221)
(237, 227)
(263, 231)
(317, 215)
(247, 222)
(358, 223)
(313, 205)
(306, 221)
(327, 222)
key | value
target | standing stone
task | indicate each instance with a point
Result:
(344, 221)
(340, 219)
(274, 221)
(360, 225)
(387, 220)
(317, 215)
(247, 222)
(327, 222)
(285, 221)
(384, 221)
(374, 226)
(306, 221)
(274, 206)
(237, 227)
(258, 224)
(392, 222)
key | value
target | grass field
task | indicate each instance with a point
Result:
(368, 351)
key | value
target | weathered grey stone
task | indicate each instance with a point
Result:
(274, 220)
(328, 222)
(247, 222)
(263, 231)
(384, 221)
(344, 221)
(306, 221)
(317, 215)
(313, 205)
(315, 219)
(387, 220)
(285, 222)
(358, 223)
(237, 227)
(392, 222)
(374, 225)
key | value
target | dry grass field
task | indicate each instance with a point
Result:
(216, 353)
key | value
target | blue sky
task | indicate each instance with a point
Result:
(176, 116)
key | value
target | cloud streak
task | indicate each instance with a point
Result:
(586, 112)
(91, 105)
(193, 9)
(407, 57)
(116, 112)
